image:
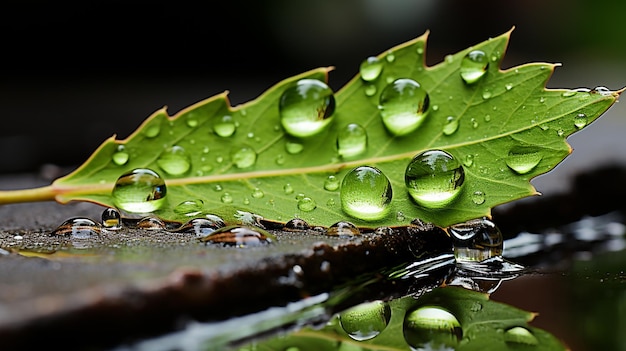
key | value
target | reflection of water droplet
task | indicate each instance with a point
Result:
(370, 69)
(225, 126)
(140, 190)
(306, 204)
(243, 156)
(293, 147)
(296, 224)
(476, 240)
(431, 327)
(78, 228)
(174, 160)
(580, 120)
(365, 321)
(226, 198)
(351, 140)
(306, 108)
(202, 226)
(478, 197)
(189, 208)
(120, 157)
(403, 106)
(111, 219)
(474, 66)
(434, 178)
(366, 193)
(520, 336)
(240, 236)
(331, 183)
(343, 228)
(451, 125)
(523, 159)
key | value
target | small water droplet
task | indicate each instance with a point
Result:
(487, 118)
(478, 197)
(432, 328)
(508, 86)
(469, 160)
(542, 99)
(400, 216)
(306, 108)
(370, 69)
(580, 120)
(486, 94)
(288, 189)
(151, 223)
(78, 228)
(365, 321)
(111, 219)
(257, 193)
(280, 159)
(370, 90)
(434, 178)
(240, 236)
(523, 159)
(366, 193)
(476, 240)
(474, 122)
(189, 208)
(174, 160)
(449, 58)
(568, 93)
(243, 156)
(120, 157)
(293, 147)
(474, 66)
(331, 183)
(403, 106)
(419, 49)
(227, 198)
(202, 227)
(306, 204)
(520, 336)
(343, 228)
(351, 140)
(330, 202)
(451, 125)
(560, 132)
(153, 129)
(296, 224)
(141, 190)
(435, 107)
(225, 126)
(218, 187)
(191, 120)
(390, 56)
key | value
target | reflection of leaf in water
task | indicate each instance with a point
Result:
(484, 325)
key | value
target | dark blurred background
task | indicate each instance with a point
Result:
(74, 73)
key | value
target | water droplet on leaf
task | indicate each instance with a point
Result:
(189, 208)
(431, 327)
(523, 159)
(174, 160)
(365, 321)
(257, 193)
(403, 106)
(474, 66)
(288, 189)
(366, 193)
(120, 157)
(225, 126)
(580, 120)
(434, 178)
(370, 69)
(518, 336)
(478, 197)
(153, 129)
(476, 240)
(351, 140)
(243, 156)
(306, 204)
(293, 147)
(451, 125)
(331, 183)
(370, 90)
(306, 108)
(141, 190)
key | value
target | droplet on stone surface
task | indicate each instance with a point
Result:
(111, 219)
(476, 240)
(474, 66)
(141, 190)
(365, 321)
(306, 108)
(403, 106)
(343, 228)
(174, 160)
(296, 224)
(366, 193)
(78, 228)
(351, 140)
(151, 223)
(434, 178)
(201, 227)
(239, 236)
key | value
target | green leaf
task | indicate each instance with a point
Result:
(484, 325)
(503, 112)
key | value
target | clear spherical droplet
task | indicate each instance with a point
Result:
(78, 228)
(451, 125)
(189, 208)
(366, 193)
(191, 120)
(306, 204)
(474, 66)
(257, 193)
(580, 120)
(432, 328)
(174, 160)
(371, 68)
(478, 197)
(151, 223)
(120, 157)
(225, 126)
(365, 321)
(296, 224)
(434, 178)
(153, 129)
(293, 147)
(522, 159)
(403, 106)
(519, 336)
(288, 189)
(343, 228)
(306, 108)
(351, 140)
(111, 219)
(240, 236)
(476, 240)
(141, 190)
(370, 90)
(331, 183)
(243, 156)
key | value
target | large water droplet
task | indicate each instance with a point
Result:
(451, 125)
(474, 66)
(434, 178)
(371, 68)
(120, 157)
(225, 126)
(306, 108)
(306, 204)
(240, 236)
(351, 140)
(343, 228)
(111, 219)
(580, 120)
(518, 336)
(243, 156)
(174, 160)
(189, 208)
(431, 328)
(476, 240)
(365, 321)
(140, 190)
(78, 228)
(366, 193)
(403, 106)
(523, 159)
